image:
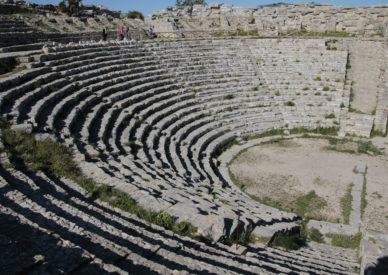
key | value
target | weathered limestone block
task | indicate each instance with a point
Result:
(24, 128)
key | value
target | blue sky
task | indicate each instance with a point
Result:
(147, 6)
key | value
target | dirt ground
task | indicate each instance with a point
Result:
(291, 168)
(376, 212)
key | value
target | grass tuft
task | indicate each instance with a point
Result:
(289, 103)
(363, 147)
(345, 241)
(364, 202)
(306, 205)
(346, 204)
(228, 97)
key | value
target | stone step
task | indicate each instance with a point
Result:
(19, 48)
(357, 124)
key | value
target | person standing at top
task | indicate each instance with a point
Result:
(120, 33)
(104, 34)
(127, 34)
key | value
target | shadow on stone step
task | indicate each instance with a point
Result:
(381, 268)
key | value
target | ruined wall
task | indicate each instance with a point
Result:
(272, 19)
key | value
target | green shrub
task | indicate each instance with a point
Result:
(7, 65)
(228, 97)
(331, 48)
(184, 229)
(243, 239)
(326, 88)
(289, 240)
(289, 103)
(377, 133)
(71, 7)
(367, 147)
(315, 235)
(130, 144)
(135, 15)
(47, 156)
(222, 149)
(330, 116)
(164, 220)
(189, 2)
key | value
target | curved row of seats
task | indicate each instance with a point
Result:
(58, 228)
(149, 118)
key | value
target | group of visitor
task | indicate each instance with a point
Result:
(122, 33)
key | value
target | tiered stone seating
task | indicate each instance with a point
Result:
(306, 79)
(8, 25)
(61, 230)
(14, 28)
(148, 118)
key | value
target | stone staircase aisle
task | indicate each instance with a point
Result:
(366, 72)
(366, 58)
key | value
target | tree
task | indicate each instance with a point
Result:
(74, 6)
(189, 2)
(62, 6)
(135, 15)
(71, 7)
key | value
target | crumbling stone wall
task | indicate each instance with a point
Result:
(272, 19)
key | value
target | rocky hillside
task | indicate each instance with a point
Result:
(23, 22)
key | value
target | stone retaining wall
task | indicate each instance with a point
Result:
(272, 19)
